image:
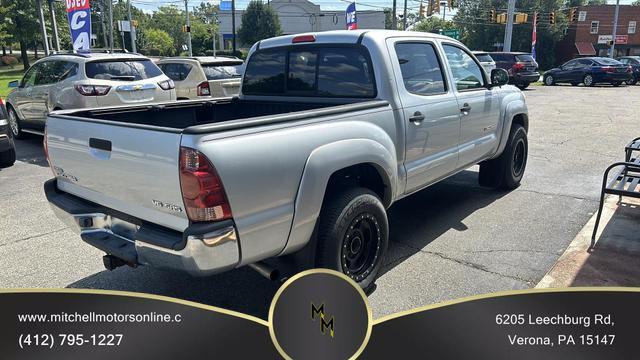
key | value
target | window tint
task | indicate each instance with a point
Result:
(585, 62)
(484, 58)
(312, 71)
(467, 74)
(125, 70)
(607, 61)
(421, 71)
(222, 71)
(176, 71)
(29, 78)
(570, 64)
(525, 58)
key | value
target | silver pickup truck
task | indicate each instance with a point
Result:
(329, 130)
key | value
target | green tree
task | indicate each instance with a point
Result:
(258, 22)
(597, 2)
(22, 25)
(433, 24)
(160, 40)
(170, 20)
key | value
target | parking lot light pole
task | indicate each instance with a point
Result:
(111, 25)
(45, 42)
(54, 25)
(132, 29)
(612, 54)
(508, 31)
(186, 10)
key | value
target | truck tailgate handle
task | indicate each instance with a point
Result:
(100, 144)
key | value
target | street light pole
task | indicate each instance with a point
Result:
(511, 9)
(233, 24)
(132, 29)
(404, 16)
(186, 10)
(110, 25)
(54, 26)
(45, 43)
(394, 16)
(615, 28)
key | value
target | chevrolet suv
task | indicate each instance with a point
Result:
(83, 80)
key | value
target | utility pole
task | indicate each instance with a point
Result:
(105, 42)
(615, 28)
(444, 10)
(54, 26)
(132, 29)
(186, 10)
(404, 17)
(110, 25)
(214, 27)
(233, 24)
(45, 43)
(511, 9)
(394, 16)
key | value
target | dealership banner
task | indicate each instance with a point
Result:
(79, 15)
(352, 20)
(320, 314)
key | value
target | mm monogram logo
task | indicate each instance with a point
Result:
(324, 324)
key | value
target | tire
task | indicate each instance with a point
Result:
(632, 81)
(616, 83)
(507, 170)
(575, 84)
(353, 235)
(588, 80)
(522, 86)
(7, 158)
(14, 124)
(549, 80)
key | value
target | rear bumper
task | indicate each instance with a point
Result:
(525, 77)
(203, 249)
(608, 77)
(6, 142)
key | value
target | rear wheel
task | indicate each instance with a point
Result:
(7, 158)
(14, 123)
(575, 84)
(631, 81)
(549, 80)
(588, 80)
(522, 86)
(353, 235)
(616, 83)
(507, 170)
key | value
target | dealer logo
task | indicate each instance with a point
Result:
(324, 324)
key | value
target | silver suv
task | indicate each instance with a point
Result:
(204, 76)
(71, 81)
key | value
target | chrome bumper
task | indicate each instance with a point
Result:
(204, 254)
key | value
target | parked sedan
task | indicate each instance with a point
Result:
(589, 71)
(485, 60)
(634, 62)
(7, 147)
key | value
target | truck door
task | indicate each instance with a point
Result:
(430, 110)
(479, 106)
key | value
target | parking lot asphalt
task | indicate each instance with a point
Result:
(451, 240)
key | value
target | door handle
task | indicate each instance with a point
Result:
(417, 117)
(465, 109)
(100, 144)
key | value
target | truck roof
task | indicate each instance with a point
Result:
(347, 36)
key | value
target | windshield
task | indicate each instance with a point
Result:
(222, 71)
(123, 70)
(484, 58)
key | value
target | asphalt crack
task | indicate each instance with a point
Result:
(33, 236)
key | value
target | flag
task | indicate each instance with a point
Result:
(79, 15)
(534, 36)
(352, 21)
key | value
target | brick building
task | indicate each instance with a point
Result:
(590, 34)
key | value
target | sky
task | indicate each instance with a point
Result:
(413, 5)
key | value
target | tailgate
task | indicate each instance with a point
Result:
(133, 170)
(224, 88)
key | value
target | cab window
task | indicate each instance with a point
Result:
(420, 68)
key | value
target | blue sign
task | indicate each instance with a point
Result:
(225, 5)
(352, 21)
(79, 15)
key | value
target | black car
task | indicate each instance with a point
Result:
(7, 147)
(634, 62)
(522, 68)
(589, 71)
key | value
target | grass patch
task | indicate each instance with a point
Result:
(8, 75)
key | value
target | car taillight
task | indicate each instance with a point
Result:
(202, 190)
(167, 84)
(203, 89)
(608, 69)
(518, 66)
(93, 90)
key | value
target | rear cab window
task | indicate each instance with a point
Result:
(311, 70)
(222, 71)
(122, 69)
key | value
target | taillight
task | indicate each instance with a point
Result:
(518, 66)
(202, 190)
(93, 90)
(608, 69)
(167, 84)
(303, 38)
(203, 89)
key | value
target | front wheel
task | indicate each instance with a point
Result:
(522, 86)
(616, 83)
(7, 158)
(631, 81)
(14, 124)
(549, 80)
(588, 80)
(507, 170)
(353, 235)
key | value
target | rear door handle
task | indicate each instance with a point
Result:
(417, 117)
(466, 108)
(100, 144)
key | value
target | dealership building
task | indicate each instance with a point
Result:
(592, 31)
(298, 16)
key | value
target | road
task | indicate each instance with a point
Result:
(452, 240)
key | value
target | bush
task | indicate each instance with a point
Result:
(152, 52)
(9, 60)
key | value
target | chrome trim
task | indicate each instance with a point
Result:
(4, 122)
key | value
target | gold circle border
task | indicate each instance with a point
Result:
(312, 272)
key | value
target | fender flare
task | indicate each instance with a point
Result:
(512, 109)
(321, 164)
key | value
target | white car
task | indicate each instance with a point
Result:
(485, 60)
(83, 80)
(204, 76)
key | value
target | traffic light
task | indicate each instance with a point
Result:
(552, 18)
(573, 15)
(492, 15)
(501, 18)
(134, 23)
(537, 17)
(186, 28)
(521, 18)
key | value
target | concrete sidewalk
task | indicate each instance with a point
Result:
(615, 260)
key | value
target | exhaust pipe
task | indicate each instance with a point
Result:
(266, 270)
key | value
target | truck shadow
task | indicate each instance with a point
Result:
(414, 223)
(30, 150)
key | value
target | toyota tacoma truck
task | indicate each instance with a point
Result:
(328, 131)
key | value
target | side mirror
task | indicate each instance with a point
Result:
(14, 84)
(499, 77)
